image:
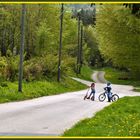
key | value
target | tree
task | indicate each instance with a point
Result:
(93, 55)
(87, 15)
(135, 8)
(118, 36)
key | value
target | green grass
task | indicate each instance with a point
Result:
(34, 89)
(121, 118)
(114, 76)
(86, 73)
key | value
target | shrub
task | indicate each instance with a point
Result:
(3, 67)
(68, 65)
(47, 66)
(50, 65)
(12, 68)
(33, 69)
(3, 84)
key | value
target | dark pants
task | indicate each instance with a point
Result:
(109, 97)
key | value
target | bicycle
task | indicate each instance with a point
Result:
(102, 97)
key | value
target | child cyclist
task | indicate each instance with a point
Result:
(108, 90)
(92, 92)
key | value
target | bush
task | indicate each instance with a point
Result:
(3, 67)
(12, 68)
(33, 69)
(39, 67)
(3, 84)
(50, 65)
(9, 68)
(68, 65)
(47, 66)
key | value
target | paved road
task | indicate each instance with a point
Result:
(50, 116)
(98, 77)
(47, 115)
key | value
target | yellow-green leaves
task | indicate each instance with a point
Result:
(119, 36)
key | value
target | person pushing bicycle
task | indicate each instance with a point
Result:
(108, 90)
(108, 93)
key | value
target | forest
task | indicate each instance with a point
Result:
(96, 36)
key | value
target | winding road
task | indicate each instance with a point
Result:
(98, 77)
(52, 115)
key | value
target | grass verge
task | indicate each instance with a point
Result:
(121, 118)
(34, 89)
(121, 77)
(86, 73)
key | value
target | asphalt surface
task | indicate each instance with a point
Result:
(98, 77)
(52, 115)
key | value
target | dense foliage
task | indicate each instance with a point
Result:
(118, 33)
(93, 55)
(42, 27)
(115, 34)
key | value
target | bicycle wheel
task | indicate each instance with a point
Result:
(102, 97)
(114, 98)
